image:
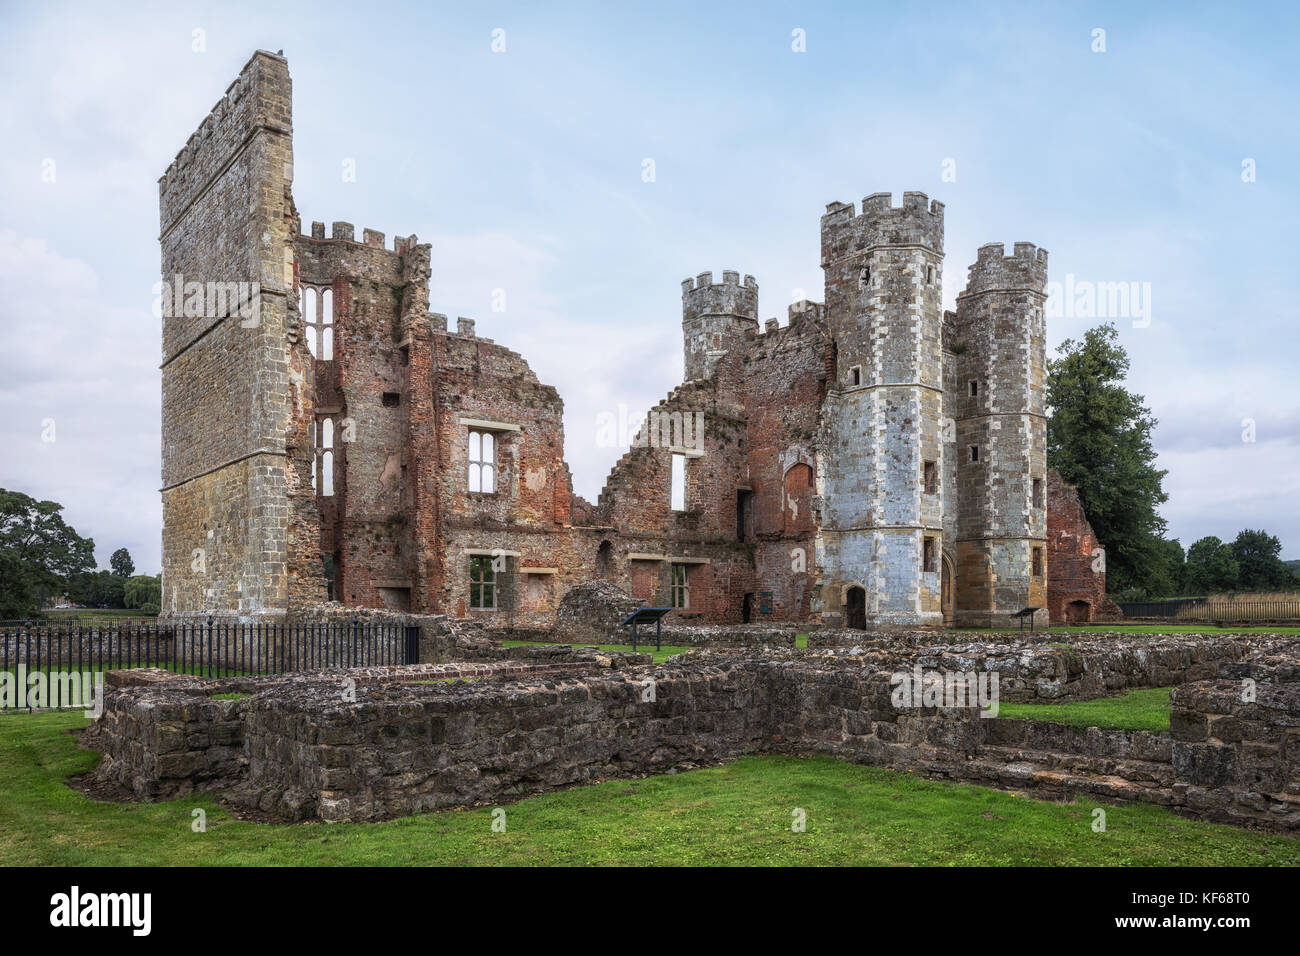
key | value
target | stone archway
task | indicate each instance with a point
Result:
(947, 587)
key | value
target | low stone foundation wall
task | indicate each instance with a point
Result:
(384, 742)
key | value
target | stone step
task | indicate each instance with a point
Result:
(1137, 771)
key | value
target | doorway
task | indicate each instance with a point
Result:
(855, 608)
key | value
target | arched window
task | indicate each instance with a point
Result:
(323, 462)
(317, 308)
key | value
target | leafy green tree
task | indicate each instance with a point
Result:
(1169, 573)
(143, 590)
(121, 563)
(1099, 439)
(39, 553)
(1211, 566)
(1259, 560)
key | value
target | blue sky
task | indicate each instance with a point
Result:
(524, 170)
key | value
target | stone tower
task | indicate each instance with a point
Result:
(715, 317)
(881, 538)
(1000, 353)
(234, 379)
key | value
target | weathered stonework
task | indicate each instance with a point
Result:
(375, 743)
(354, 446)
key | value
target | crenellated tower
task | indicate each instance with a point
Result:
(999, 341)
(881, 538)
(715, 318)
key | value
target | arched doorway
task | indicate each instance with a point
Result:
(855, 608)
(946, 588)
(602, 559)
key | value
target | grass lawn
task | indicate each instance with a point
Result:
(1144, 709)
(1087, 630)
(735, 814)
(642, 647)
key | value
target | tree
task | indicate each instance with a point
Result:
(1099, 439)
(143, 591)
(1169, 575)
(39, 553)
(121, 563)
(1259, 560)
(1211, 566)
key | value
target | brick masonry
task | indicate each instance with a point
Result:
(325, 453)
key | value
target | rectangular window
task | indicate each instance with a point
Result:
(927, 554)
(1038, 492)
(677, 493)
(681, 587)
(930, 474)
(482, 462)
(855, 375)
(974, 452)
(1038, 562)
(974, 389)
(482, 584)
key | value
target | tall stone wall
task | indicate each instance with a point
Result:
(882, 418)
(999, 407)
(232, 380)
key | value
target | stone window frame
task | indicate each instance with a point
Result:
(482, 576)
(973, 388)
(322, 457)
(974, 454)
(929, 552)
(677, 457)
(1036, 559)
(679, 590)
(930, 477)
(475, 460)
(316, 306)
(855, 376)
(1036, 492)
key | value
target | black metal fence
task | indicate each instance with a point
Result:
(207, 650)
(1244, 610)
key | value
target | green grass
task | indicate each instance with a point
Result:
(643, 647)
(231, 696)
(801, 640)
(735, 814)
(1087, 629)
(1145, 709)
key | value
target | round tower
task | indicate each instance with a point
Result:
(999, 407)
(881, 539)
(715, 317)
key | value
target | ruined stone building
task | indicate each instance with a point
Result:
(873, 460)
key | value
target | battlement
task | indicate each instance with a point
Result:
(702, 296)
(1025, 268)
(259, 98)
(918, 221)
(346, 232)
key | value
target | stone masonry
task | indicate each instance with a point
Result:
(871, 460)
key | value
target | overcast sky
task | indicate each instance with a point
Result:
(524, 169)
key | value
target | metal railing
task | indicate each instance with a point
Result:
(203, 649)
